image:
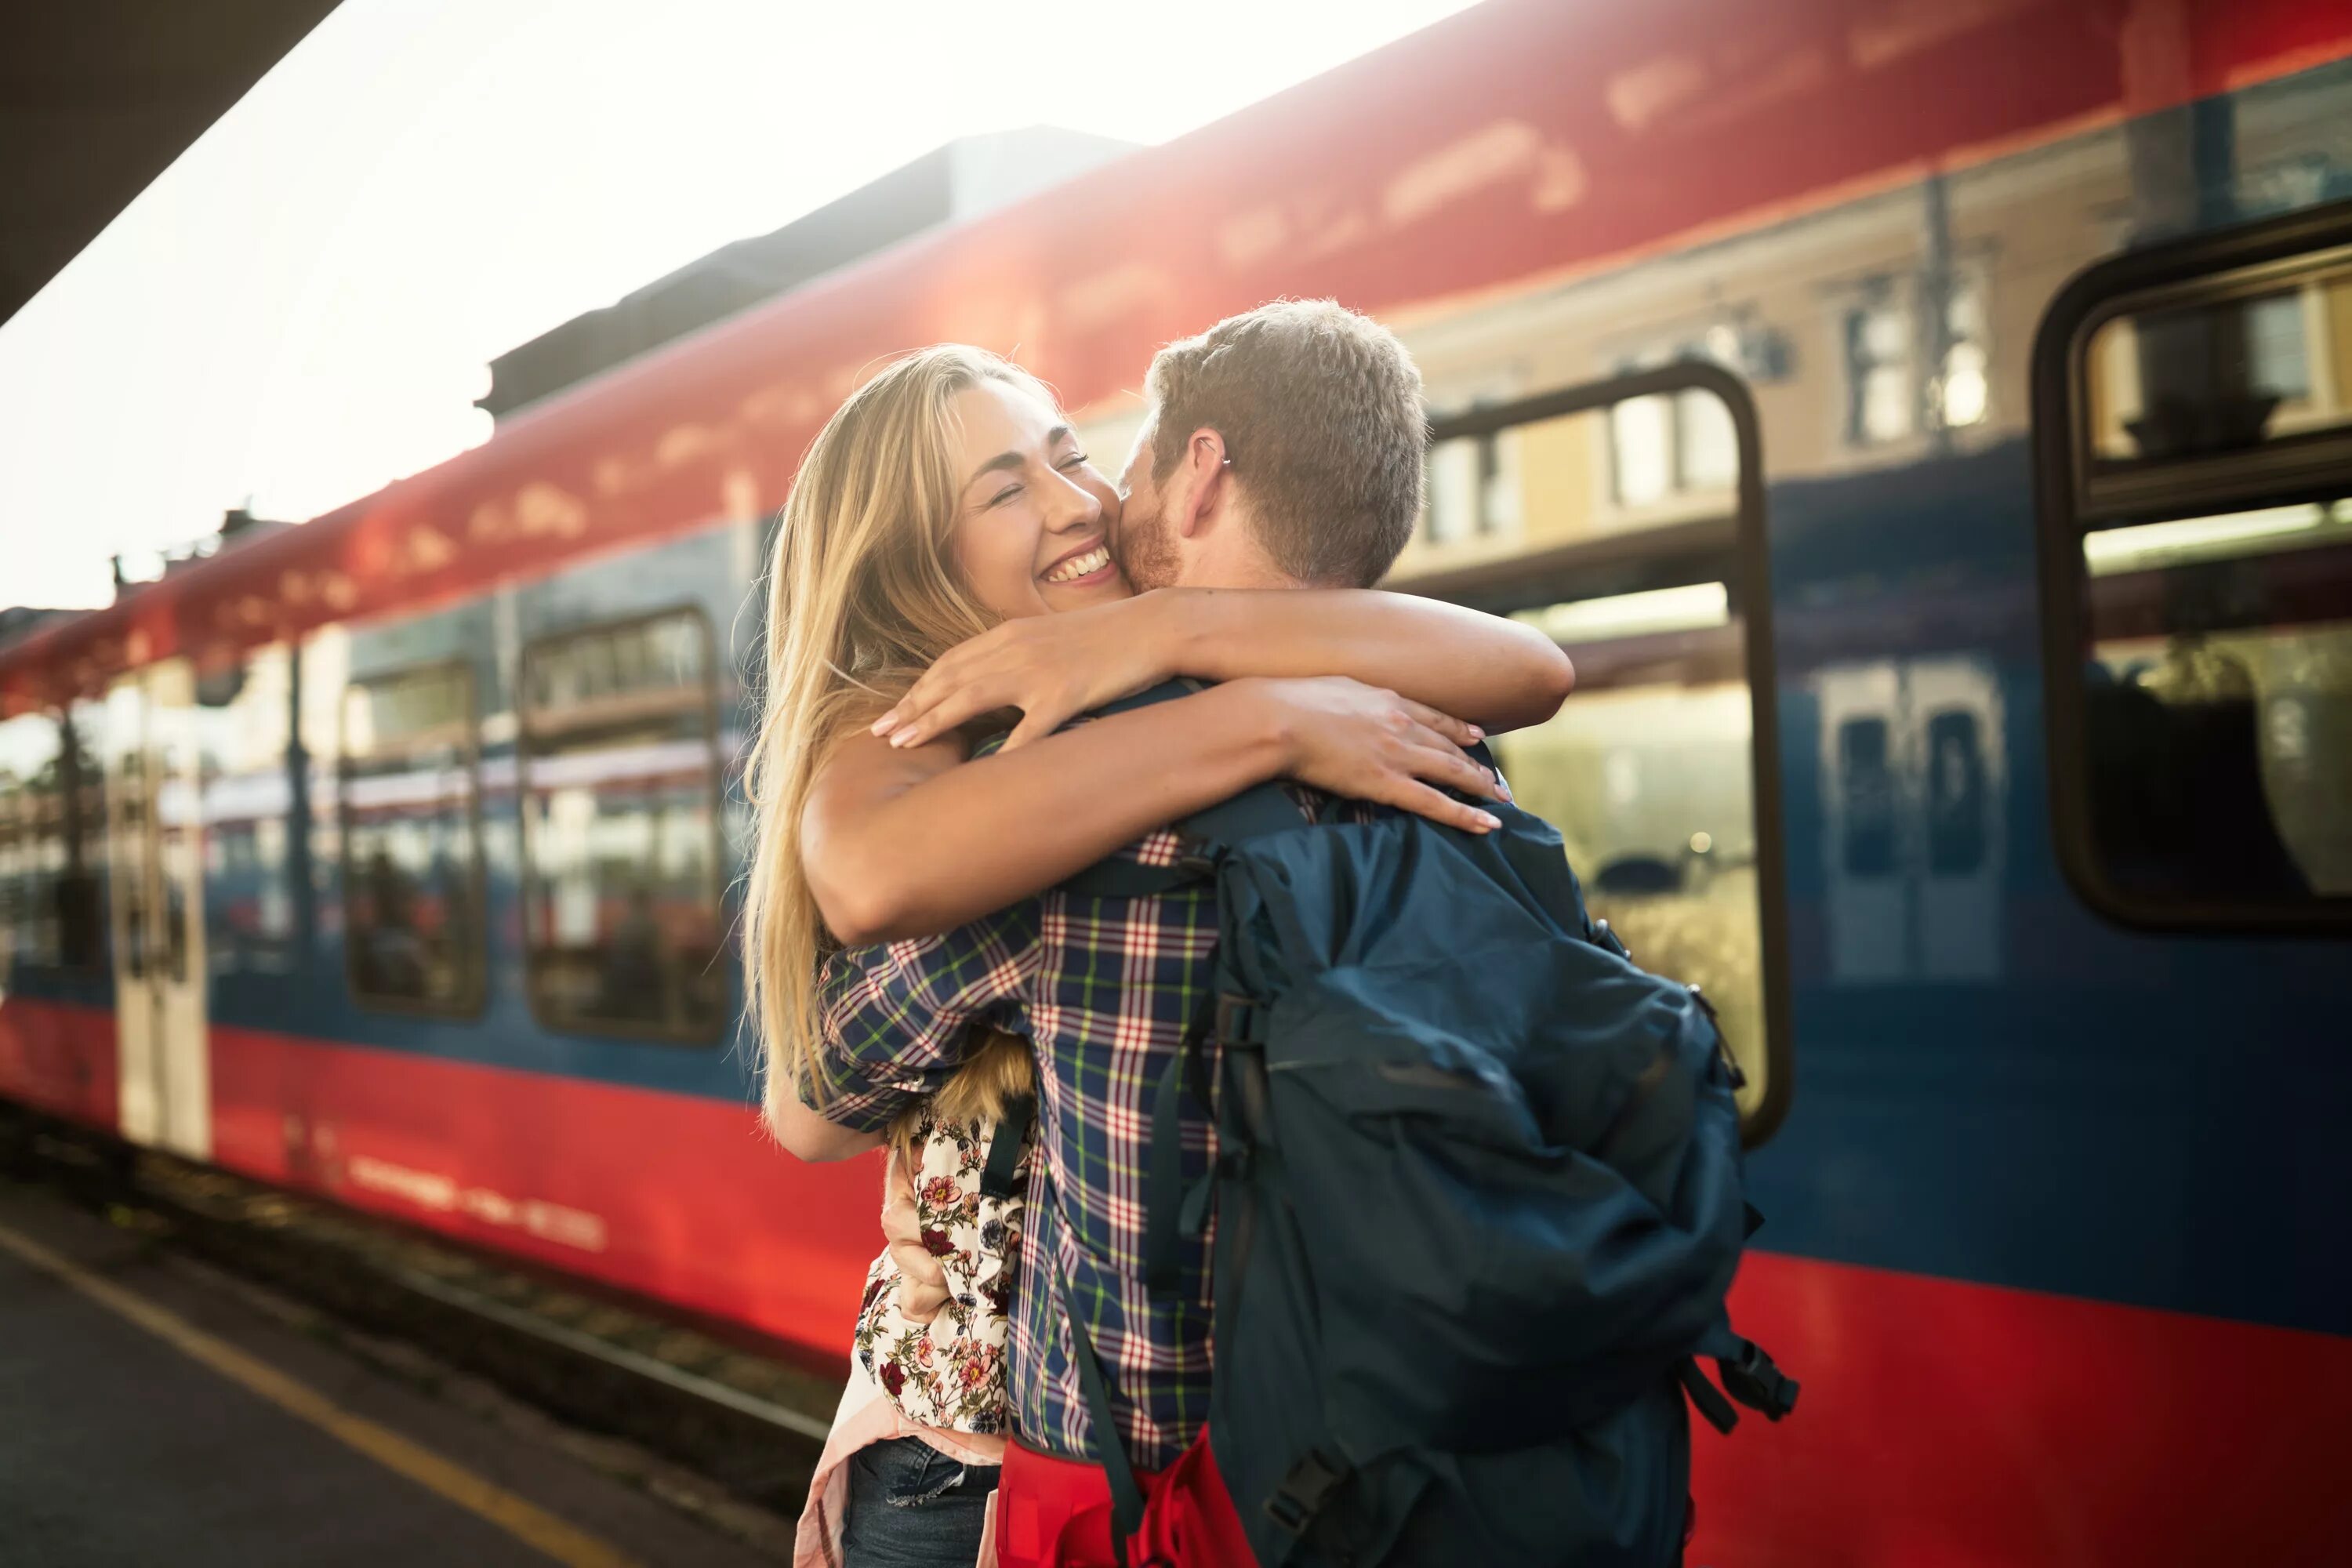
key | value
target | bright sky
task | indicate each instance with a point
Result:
(302, 307)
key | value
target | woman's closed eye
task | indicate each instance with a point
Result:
(1070, 464)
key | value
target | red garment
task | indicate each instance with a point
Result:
(1056, 1513)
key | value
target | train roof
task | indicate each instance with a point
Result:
(1516, 142)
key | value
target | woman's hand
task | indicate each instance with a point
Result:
(1052, 667)
(922, 1282)
(1365, 743)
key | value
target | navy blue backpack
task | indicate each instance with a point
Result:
(1478, 1200)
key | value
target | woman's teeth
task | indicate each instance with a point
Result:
(1077, 567)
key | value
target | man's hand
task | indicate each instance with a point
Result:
(1052, 667)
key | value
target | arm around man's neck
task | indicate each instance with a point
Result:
(910, 842)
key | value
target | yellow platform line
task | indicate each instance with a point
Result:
(531, 1525)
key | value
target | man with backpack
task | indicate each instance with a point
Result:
(1464, 1337)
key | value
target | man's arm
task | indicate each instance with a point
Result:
(895, 1021)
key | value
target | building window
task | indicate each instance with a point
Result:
(1472, 489)
(413, 928)
(1671, 444)
(1878, 337)
(620, 801)
(1964, 391)
(1879, 406)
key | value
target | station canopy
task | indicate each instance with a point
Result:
(98, 97)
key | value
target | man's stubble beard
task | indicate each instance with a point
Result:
(1146, 553)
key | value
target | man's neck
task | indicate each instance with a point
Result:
(1245, 569)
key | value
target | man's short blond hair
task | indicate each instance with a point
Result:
(1322, 414)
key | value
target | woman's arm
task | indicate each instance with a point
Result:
(807, 1135)
(901, 841)
(1495, 672)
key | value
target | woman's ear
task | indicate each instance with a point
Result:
(1205, 480)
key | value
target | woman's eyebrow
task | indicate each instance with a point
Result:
(1009, 461)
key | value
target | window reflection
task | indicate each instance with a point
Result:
(1646, 772)
(2218, 706)
(411, 924)
(2222, 375)
(620, 795)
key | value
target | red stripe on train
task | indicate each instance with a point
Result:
(1951, 1424)
(677, 1197)
(59, 1056)
(1944, 1423)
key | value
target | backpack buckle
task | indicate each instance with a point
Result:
(1306, 1491)
(1752, 1379)
(1235, 1016)
(1195, 856)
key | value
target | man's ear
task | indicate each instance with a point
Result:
(1203, 484)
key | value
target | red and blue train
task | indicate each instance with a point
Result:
(1928, 424)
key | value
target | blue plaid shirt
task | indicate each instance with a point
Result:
(1104, 988)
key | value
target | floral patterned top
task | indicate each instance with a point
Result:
(949, 1372)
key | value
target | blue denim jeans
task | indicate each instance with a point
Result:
(911, 1506)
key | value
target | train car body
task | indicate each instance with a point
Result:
(1925, 425)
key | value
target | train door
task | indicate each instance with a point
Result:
(155, 868)
(1913, 774)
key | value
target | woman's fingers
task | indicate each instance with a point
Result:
(918, 1302)
(1439, 761)
(1435, 804)
(951, 706)
(1038, 720)
(953, 671)
(1447, 724)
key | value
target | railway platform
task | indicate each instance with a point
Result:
(154, 1411)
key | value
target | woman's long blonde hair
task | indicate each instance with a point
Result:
(863, 593)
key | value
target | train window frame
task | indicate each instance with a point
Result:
(528, 880)
(2078, 492)
(1661, 557)
(474, 1000)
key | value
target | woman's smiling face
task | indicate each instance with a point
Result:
(1033, 520)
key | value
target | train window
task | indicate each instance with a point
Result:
(52, 847)
(2198, 577)
(620, 801)
(13, 915)
(408, 801)
(1649, 772)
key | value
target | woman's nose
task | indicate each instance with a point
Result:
(1071, 506)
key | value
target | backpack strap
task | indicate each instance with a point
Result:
(1004, 1149)
(1125, 1492)
(1748, 1376)
(1170, 1212)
